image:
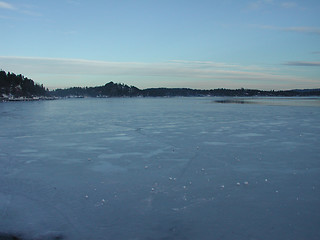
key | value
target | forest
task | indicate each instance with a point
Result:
(121, 90)
(16, 86)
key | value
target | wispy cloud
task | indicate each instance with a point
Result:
(6, 5)
(73, 2)
(216, 74)
(289, 4)
(303, 64)
(25, 9)
(256, 5)
(303, 29)
(312, 30)
(265, 4)
(177, 68)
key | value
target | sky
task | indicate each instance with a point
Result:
(202, 44)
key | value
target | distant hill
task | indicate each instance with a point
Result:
(121, 90)
(109, 90)
(15, 86)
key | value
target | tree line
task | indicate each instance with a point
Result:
(108, 90)
(12, 85)
(121, 90)
(20, 86)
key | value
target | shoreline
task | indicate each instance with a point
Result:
(25, 99)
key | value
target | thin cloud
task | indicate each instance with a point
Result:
(312, 30)
(73, 2)
(79, 72)
(176, 68)
(262, 4)
(256, 5)
(267, 4)
(220, 65)
(303, 64)
(289, 4)
(6, 5)
(303, 29)
(5, 17)
(25, 9)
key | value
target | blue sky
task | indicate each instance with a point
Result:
(265, 44)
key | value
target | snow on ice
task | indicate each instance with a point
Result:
(160, 168)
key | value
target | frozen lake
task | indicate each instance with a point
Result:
(160, 168)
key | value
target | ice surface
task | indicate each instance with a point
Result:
(160, 168)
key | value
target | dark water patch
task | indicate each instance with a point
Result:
(236, 101)
(273, 101)
(17, 236)
(7, 236)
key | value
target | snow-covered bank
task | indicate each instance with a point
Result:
(24, 99)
